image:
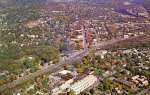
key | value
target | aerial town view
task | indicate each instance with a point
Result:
(74, 47)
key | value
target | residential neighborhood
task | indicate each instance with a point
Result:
(74, 47)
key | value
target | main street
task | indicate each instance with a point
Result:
(51, 69)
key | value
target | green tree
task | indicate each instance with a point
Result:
(119, 87)
(31, 92)
(101, 87)
(106, 83)
(84, 93)
(111, 87)
(118, 68)
(48, 53)
(92, 91)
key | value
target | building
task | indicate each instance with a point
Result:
(102, 53)
(135, 77)
(148, 93)
(83, 84)
(64, 72)
(125, 82)
(140, 80)
(126, 36)
(62, 87)
(61, 82)
(145, 83)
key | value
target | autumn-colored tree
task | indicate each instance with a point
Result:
(71, 92)
(80, 70)
(119, 87)
(43, 76)
(66, 66)
(37, 79)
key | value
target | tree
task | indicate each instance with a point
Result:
(75, 65)
(43, 76)
(32, 70)
(37, 79)
(80, 70)
(83, 93)
(7, 92)
(45, 82)
(31, 92)
(119, 87)
(118, 68)
(97, 71)
(25, 86)
(101, 87)
(66, 66)
(130, 61)
(128, 67)
(71, 92)
(63, 47)
(86, 61)
(111, 87)
(92, 91)
(27, 64)
(106, 83)
(62, 94)
(48, 53)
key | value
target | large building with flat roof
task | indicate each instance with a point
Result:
(83, 84)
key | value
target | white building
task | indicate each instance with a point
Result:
(62, 87)
(102, 53)
(145, 83)
(64, 72)
(80, 37)
(126, 36)
(135, 77)
(83, 84)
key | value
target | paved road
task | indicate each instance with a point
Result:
(133, 23)
(143, 92)
(112, 41)
(58, 66)
(50, 69)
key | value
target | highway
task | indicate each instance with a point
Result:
(51, 69)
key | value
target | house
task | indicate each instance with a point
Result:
(127, 51)
(126, 36)
(64, 72)
(102, 53)
(106, 73)
(16, 93)
(80, 37)
(148, 93)
(140, 80)
(141, 33)
(135, 77)
(145, 83)
(39, 93)
(125, 82)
